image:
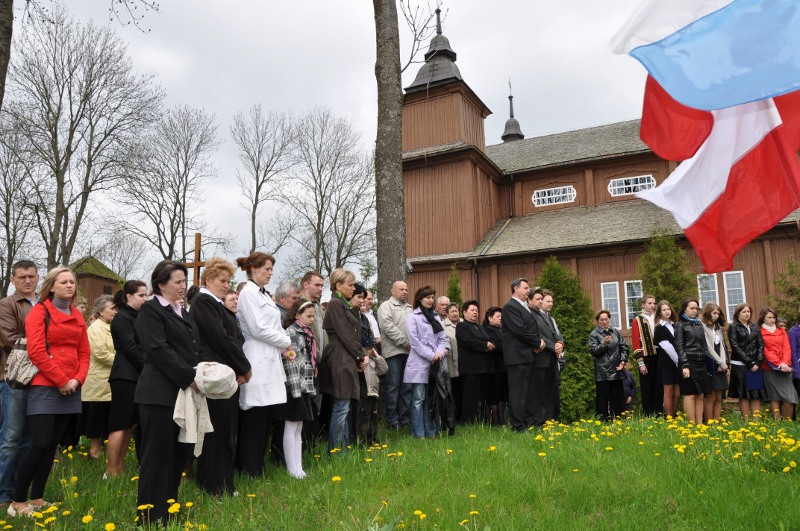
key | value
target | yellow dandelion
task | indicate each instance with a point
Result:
(786, 469)
(473, 496)
(449, 451)
(189, 504)
(417, 512)
(145, 507)
(473, 513)
(463, 522)
(66, 513)
(576, 470)
(183, 474)
(368, 459)
(86, 519)
(73, 479)
(49, 520)
(251, 495)
(110, 526)
(135, 478)
(422, 516)
(492, 448)
(171, 500)
(399, 454)
(542, 454)
(174, 508)
(75, 495)
(36, 514)
(63, 482)
(336, 479)
(385, 503)
(609, 448)
(792, 464)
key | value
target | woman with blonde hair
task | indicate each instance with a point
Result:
(342, 357)
(747, 354)
(265, 343)
(96, 392)
(222, 343)
(717, 360)
(59, 347)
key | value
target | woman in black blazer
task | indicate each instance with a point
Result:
(171, 347)
(128, 363)
(475, 365)
(222, 343)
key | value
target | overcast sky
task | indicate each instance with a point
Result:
(291, 56)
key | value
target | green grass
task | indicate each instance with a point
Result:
(634, 474)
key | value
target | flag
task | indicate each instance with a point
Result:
(713, 54)
(742, 179)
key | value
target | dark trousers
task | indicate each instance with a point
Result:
(610, 399)
(652, 388)
(541, 392)
(162, 462)
(474, 388)
(455, 385)
(215, 464)
(557, 398)
(34, 469)
(255, 427)
(519, 381)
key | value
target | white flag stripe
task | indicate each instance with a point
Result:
(699, 181)
(657, 19)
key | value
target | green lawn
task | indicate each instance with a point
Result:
(633, 474)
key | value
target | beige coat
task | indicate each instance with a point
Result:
(96, 387)
(393, 322)
(377, 367)
(452, 358)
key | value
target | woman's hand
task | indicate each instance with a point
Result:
(621, 366)
(686, 373)
(754, 368)
(289, 354)
(69, 387)
(244, 378)
(607, 340)
(437, 356)
(364, 363)
(489, 346)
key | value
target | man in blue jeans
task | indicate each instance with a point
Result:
(14, 402)
(392, 319)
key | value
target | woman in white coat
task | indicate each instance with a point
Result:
(265, 342)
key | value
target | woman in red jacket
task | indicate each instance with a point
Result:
(777, 366)
(59, 347)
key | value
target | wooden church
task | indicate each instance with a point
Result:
(499, 211)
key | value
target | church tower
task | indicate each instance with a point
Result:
(452, 190)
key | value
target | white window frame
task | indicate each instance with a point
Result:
(615, 316)
(558, 195)
(637, 307)
(699, 291)
(729, 307)
(618, 187)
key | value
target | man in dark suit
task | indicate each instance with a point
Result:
(520, 341)
(541, 401)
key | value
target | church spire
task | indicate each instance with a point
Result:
(440, 62)
(512, 130)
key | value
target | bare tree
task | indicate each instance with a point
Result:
(421, 25)
(265, 141)
(16, 226)
(79, 105)
(162, 186)
(331, 193)
(120, 251)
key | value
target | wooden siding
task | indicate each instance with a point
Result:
(760, 261)
(91, 287)
(450, 207)
(440, 120)
(575, 179)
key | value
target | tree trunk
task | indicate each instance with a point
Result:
(6, 27)
(390, 202)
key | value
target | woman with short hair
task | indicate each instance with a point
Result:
(497, 397)
(428, 346)
(59, 347)
(476, 366)
(717, 359)
(265, 343)
(170, 342)
(747, 354)
(664, 340)
(690, 342)
(342, 357)
(610, 353)
(128, 364)
(777, 366)
(96, 392)
(222, 343)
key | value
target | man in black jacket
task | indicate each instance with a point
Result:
(521, 340)
(542, 406)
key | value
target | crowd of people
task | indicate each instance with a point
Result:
(301, 369)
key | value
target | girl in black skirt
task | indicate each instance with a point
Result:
(717, 360)
(299, 383)
(747, 354)
(690, 342)
(664, 339)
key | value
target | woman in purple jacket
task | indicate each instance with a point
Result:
(428, 345)
(794, 342)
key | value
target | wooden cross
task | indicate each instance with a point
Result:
(197, 264)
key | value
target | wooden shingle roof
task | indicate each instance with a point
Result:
(570, 147)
